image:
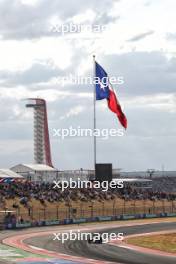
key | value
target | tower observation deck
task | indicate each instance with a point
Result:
(42, 150)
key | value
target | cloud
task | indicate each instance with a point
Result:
(144, 73)
(104, 19)
(161, 102)
(141, 36)
(38, 72)
(73, 111)
(151, 128)
(147, 3)
(171, 36)
(26, 21)
(33, 57)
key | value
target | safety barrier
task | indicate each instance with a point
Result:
(87, 220)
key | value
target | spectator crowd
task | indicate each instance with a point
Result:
(43, 192)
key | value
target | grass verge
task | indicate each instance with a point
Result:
(163, 242)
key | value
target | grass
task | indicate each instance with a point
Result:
(163, 242)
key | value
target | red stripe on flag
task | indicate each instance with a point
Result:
(115, 107)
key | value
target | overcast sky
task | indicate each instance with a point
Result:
(137, 41)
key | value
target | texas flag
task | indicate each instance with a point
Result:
(104, 90)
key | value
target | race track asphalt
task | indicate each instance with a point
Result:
(109, 252)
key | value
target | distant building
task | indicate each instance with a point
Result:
(36, 172)
(9, 174)
(75, 175)
(145, 174)
(136, 183)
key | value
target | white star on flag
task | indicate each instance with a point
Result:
(102, 86)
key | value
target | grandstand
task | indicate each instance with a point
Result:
(39, 201)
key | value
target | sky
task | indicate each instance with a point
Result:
(132, 39)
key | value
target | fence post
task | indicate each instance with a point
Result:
(154, 206)
(144, 205)
(113, 208)
(31, 213)
(172, 206)
(44, 213)
(57, 213)
(18, 210)
(163, 205)
(103, 208)
(81, 209)
(124, 206)
(69, 211)
(91, 206)
(134, 207)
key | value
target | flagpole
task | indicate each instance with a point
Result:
(94, 104)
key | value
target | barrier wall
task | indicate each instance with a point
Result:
(87, 220)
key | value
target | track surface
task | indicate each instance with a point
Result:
(108, 252)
